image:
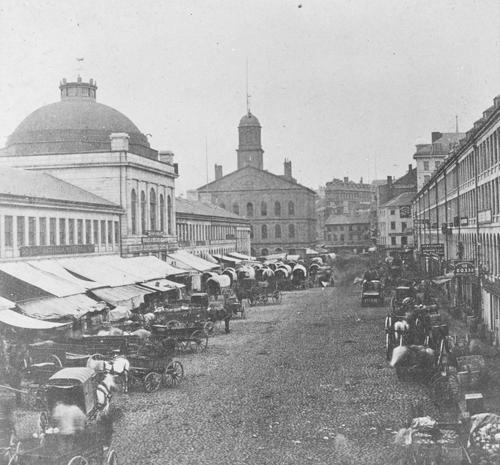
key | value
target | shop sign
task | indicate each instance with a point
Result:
(464, 221)
(436, 249)
(484, 217)
(464, 269)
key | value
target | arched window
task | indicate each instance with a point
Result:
(162, 213)
(277, 231)
(236, 208)
(291, 208)
(263, 208)
(250, 210)
(152, 210)
(291, 231)
(264, 231)
(277, 209)
(133, 212)
(169, 214)
(143, 213)
(265, 252)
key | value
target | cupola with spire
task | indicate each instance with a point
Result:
(250, 151)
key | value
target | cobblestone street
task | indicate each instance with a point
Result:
(301, 382)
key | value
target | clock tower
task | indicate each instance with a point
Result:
(250, 151)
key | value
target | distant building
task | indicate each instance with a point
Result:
(430, 156)
(393, 187)
(395, 223)
(281, 211)
(207, 229)
(41, 215)
(348, 231)
(100, 150)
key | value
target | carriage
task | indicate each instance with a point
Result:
(372, 292)
(400, 294)
(183, 338)
(90, 446)
(258, 292)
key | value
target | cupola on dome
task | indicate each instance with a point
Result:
(75, 124)
(249, 120)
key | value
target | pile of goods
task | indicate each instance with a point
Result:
(484, 439)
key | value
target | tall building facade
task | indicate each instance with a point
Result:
(457, 219)
(100, 150)
(281, 212)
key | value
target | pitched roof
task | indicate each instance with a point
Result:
(251, 168)
(345, 219)
(191, 207)
(38, 185)
(410, 178)
(405, 198)
(441, 146)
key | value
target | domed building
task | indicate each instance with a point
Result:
(280, 210)
(99, 149)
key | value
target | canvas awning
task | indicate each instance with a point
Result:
(17, 320)
(242, 256)
(226, 259)
(439, 280)
(130, 297)
(162, 285)
(54, 267)
(48, 282)
(6, 303)
(56, 308)
(154, 266)
(187, 260)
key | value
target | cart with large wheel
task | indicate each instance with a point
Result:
(87, 447)
(184, 338)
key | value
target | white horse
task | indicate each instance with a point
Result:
(118, 366)
(400, 328)
(103, 392)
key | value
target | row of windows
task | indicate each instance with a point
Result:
(344, 237)
(263, 209)
(265, 232)
(203, 232)
(155, 224)
(22, 231)
(427, 165)
(351, 227)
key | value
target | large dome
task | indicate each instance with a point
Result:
(249, 120)
(75, 124)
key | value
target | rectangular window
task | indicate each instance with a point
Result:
(79, 231)
(393, 212)
(88, 232)
(393, 241)
(71, 231)
(103, 232)
(436, 164)
(404, 240)
(403, 227)
(31, 230)
(117, 233)
(62, 231)
(110, 232)
(426, 166)
(52, 231)
(393, 225)
(43, 231)
(9, 231)
(21, 224)
(96, 232)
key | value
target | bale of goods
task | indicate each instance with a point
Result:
(484, 439)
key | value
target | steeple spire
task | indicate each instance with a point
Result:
(248, 95)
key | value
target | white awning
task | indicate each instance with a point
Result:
(225, 258)
(46, 281)
(6, 303)
(123, 296)
(12, 318)
(54, 308)
(241, 256)
(162, 285)
(54, 267)
(155, 266)
(187, 260)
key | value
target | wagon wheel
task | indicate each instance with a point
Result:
(243, 311)
(152, 381)
(173, 374)
(388, 323)
(171, 324)
(14, 456)
(388, 346)
(43, 421)
(78, 460)
(56, 360)
(209, 327)
(198, 341)
(112, 458)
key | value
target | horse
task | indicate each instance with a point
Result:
(117, 366)
(103, 392)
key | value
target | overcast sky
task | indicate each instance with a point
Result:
(342, 88)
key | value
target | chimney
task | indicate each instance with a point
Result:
(287, 169)
(435, 136)
(389, 182)
(218, 171)
(496, 101)
(410, 167)
(346, 179)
